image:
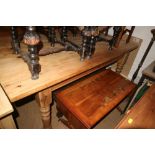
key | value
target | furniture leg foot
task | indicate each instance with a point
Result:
(59, 113)
(67, 123)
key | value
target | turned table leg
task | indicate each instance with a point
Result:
(64, 34)
(92, 47)
(15, 41)
(84, 48)
(51, 35)
(44, 99)
(121, 63)
(117, 35)
(31, 38)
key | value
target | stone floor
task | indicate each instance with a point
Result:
(27, 116)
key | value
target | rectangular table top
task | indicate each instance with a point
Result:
(15, 76)
(92, 98)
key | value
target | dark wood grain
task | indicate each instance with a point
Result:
(85, 102)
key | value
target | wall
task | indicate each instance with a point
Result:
(144, 33)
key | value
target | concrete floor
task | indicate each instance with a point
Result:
(27, 116)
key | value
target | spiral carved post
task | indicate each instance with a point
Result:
(89, 33)
(32, 39)
(51, 35)
(84, 48)
(91, 47)
(121, 63)
(64, 33)
(116, 35)
(15, 42)
(85, 42)
(94, 34)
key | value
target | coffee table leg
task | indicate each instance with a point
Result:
(44, 99)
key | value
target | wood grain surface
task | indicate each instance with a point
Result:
(91, 98)
(142, 115)
(5, 105)
(15, 76)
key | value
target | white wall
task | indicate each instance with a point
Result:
(144, 33)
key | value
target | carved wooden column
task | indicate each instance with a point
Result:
(85, 42)
(121, 63)
(51, 35)
(117, 35)
(44, 99)
(14, 40)
(130, 33)
(92, 43)
(84, 48)
(64, 33)
(89, 35)
(91, 46)
(32, 39)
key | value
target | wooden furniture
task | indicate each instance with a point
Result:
(145, 55)
(122, 61)
(90, 35)
(148, 73)
(87, 101)
(123, 31)
(57, 70)
(141, 115)
(6, 119)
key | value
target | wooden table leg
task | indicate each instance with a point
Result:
(44, 99)
(121, 63)
(14, 40)
(118, 33)
(32, 39)
(7, 123)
